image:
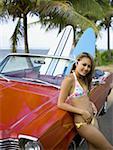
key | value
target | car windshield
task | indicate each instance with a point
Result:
(35, 68)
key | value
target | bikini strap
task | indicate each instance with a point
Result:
(74, 76)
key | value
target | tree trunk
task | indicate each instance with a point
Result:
(108, 42)
(108, 36)
(14, 49)
(25, 34)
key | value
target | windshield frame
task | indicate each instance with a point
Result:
(41, 62)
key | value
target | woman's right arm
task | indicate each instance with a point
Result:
(66, 87)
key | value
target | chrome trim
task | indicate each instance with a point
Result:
(9, 144)
(38, 55)
(24, 139)
(27, 137)
(8, 139)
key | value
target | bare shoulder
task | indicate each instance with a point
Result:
(68, 81)
(68, 78)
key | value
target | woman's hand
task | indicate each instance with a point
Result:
(87, 116)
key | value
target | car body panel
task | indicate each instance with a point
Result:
(33, 107)
(100, 92)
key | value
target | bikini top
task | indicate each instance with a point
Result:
(78, 90)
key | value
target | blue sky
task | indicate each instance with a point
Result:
(38, 38)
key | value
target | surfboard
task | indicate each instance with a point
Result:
(85, 44)
(61, 47)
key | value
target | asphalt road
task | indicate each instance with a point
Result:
(105, 123)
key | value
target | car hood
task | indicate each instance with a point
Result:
(20, 103)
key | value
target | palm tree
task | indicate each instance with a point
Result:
(52, 14)
(19, 9)
(106, 22)
(80, 14)
(92, 10)
(99, 10)
(58, 14)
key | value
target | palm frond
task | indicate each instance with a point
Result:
(53, 13)
(17, 35)
(89, 8)
(107, 8)
(1, 5)
(3, 13)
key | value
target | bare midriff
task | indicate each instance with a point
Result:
(84, 104)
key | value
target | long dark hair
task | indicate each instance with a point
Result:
(88, 77)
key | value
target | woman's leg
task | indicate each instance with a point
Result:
(90, 146)
(94, 137)
(92, 134)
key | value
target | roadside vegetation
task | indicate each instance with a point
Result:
(102, 58)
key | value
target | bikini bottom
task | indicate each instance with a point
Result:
(78, 125)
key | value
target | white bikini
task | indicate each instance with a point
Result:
(78, 90)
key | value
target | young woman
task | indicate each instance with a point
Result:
(74, 98)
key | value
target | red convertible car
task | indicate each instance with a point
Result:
(29, 116)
